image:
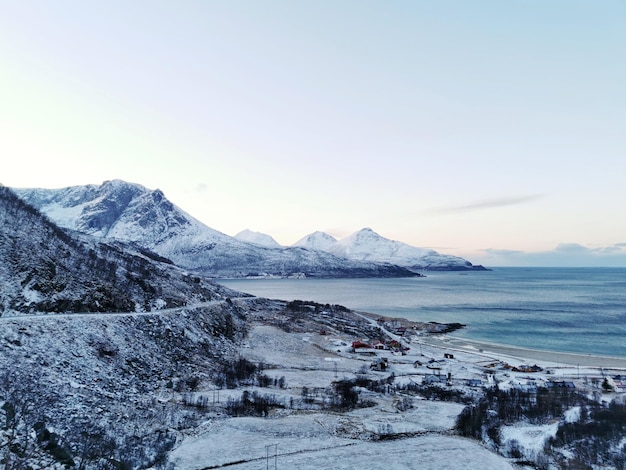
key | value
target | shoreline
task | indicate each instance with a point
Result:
(500, 351)
(528, 355)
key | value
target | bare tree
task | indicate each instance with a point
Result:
(24, 404)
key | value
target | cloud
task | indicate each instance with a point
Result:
(201, 188)
(487, 204)
(571, 248)
(496, 252)
(612, 249)
(563, 255)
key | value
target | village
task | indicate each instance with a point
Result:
(435, 360)
(406, 378)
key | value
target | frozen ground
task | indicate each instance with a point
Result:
(380, 436)
(316, 441)
(127, 368)
(319, 439)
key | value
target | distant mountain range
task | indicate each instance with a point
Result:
(132, 213)
(367, 245)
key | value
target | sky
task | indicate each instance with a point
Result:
(492, 130)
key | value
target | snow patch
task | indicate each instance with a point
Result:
(527, 438)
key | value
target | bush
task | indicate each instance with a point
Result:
(234, 373)
(252, 404)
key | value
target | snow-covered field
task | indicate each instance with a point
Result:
(315, 439)
(380, 436)
(132, 370)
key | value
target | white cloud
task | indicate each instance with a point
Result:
(563, 255)
(487, 204)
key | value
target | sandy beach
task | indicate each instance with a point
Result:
(503, 352)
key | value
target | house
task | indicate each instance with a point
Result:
(433, 379)
(401, 330)
(527, 387)
(361, 345)
(435, 369)
(474, 383)
(398, 346)
(380, 345)
(380, 364)
(448, 355)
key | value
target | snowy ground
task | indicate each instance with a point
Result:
(125, 364)
(422, 435)
(308, 439)
(315, 441)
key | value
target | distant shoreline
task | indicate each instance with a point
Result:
(415, 303)
(445, 341)
(525, 354)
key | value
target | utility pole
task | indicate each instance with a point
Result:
(267, 456)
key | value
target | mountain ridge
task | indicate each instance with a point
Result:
(45, 268)
(133, 213)
(367, 245)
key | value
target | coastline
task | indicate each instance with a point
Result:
(498, 351)
(510, 294)
(527, 355)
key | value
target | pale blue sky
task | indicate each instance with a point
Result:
(494, 130)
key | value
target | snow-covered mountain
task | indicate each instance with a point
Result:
(130, 212)
(48, 269)
(257, 238)
(317, 241)
(367, 245)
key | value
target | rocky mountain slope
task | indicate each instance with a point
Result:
(132, 213)
(367, 245)
(45, 268)
(96, 390)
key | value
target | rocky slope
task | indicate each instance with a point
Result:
(44, 268)
(132, 213)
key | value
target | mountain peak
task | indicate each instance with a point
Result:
(257, 238)
(367, 245)
(366, 232)
(48, 269)
(130, 212)
(317, 241)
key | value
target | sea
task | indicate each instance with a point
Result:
(577, 310)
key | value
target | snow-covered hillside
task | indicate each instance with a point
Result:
(367, 245)
(131, 212)
(257, 238)
(147, 391)
(45, 268)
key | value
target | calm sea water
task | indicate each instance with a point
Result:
(581, 310)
